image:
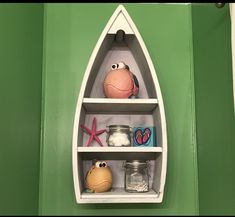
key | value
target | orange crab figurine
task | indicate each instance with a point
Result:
(99, 177)
(120, 82)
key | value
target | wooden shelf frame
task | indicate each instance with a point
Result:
(148, 105)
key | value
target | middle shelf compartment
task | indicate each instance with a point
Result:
(130, 112)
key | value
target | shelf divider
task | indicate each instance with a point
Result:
(117, 193)
(119, 149)
(108, 105)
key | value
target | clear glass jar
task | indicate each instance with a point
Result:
(136, 176)
(118, 135)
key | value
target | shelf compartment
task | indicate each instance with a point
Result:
(117, 191)
(103, 120)
(107, 105)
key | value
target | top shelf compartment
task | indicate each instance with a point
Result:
(116, 48)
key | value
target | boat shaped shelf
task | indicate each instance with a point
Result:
(119, 41)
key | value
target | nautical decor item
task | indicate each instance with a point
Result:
(120, 82)
(119, 41)
(119, 135)
(144, 136)
(99, 177)
(93, 133)
(136, 176)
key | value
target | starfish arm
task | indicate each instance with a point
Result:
(98, 140)
(94, 125)
(100, 132)
(90, 140)
(87, 130)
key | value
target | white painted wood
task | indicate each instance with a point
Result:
(120, 101)
(107, 50)
(161, 161)
(119, 149)
(119, 155)
(106, 105)
(120, 22)
(120, 193)
(120, 200)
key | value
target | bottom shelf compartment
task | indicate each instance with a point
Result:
(118, 172)
(117, 193)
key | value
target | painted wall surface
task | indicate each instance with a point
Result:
(190, 48)
(70, 34)
(214, 109)
(20, 81)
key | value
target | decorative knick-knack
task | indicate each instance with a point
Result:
(144, 136)
(120, 82)
(99, 177)
(93, 133)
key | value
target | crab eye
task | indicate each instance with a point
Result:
(114, 66)
(98, 164)
(104, 164)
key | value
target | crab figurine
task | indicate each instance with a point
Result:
(120, 82)
(99, 177)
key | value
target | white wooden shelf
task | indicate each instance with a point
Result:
(119, 149)
(119, 195)
(119, 41)
(105, 105)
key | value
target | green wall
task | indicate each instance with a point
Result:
(20, 81)
(44, 52)
(70, 34)
(214, 109)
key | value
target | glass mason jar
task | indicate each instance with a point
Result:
(136, 176)
(118, 135)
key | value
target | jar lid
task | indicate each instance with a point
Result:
(122, 126)
(119, 126)
(136, 163)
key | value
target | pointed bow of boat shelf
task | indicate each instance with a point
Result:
(105, 105)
